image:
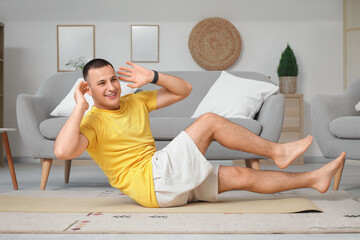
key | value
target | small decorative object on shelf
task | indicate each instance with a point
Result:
(287, 71)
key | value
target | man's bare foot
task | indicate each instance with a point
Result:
(288, 152)
(324, 175)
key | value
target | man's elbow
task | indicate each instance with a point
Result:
(188, 90)
(60, 153)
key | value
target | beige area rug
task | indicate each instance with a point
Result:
(109, 211)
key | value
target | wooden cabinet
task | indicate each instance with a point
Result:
(1, 89)
(292, 129)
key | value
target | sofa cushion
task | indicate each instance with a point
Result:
(201, 82)
(346, 127)
(168, 128)
(161, 128)
(235, 97)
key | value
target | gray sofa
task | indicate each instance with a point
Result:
(336, 124)
(39, 130)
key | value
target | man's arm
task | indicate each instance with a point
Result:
(173, 89)
(70, 143)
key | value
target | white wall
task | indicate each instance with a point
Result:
(31, 56)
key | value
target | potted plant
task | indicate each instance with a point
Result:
(77, 64)
(287, 71)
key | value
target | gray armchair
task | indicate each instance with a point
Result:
(32, 110)
(39, 130)
(336, 124)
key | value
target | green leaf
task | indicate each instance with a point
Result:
(77, 64)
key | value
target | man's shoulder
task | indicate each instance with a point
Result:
(145, 94)
(91, 116)
(138, 96)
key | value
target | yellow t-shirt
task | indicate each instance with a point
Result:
(121, 143)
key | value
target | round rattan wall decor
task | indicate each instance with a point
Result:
(215, 44)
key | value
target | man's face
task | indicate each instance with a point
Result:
(104, 87)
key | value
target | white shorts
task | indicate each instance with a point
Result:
(182, 174)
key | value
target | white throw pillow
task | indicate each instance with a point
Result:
(67, 105)
(235, 97)
(357, 107)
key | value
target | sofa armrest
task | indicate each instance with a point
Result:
(31, 111)
(271, 117)
(330, 107)
(324, 109)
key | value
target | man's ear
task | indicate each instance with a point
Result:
(89, 91)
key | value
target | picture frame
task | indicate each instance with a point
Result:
(145, 43)
(75, 46)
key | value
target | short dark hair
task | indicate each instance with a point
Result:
(95, 63)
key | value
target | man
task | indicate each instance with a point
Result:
(116, 133)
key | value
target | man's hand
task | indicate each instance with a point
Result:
(137, 74)
(173, 89)
(70, 143)
(80, 91)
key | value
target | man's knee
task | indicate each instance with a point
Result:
(205, 122)
(210, 118)
(204, 126)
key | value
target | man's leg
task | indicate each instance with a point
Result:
(239, 178)
(210, 127)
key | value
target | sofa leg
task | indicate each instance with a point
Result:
(46, 166)
(338, 175)
(253, 163)
(67, 170)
